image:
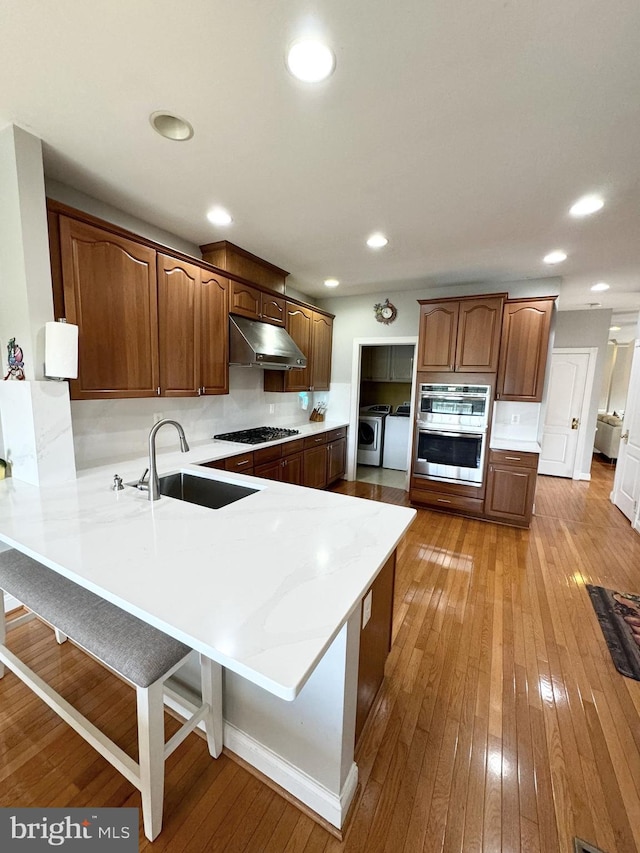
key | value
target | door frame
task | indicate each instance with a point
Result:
(592, 353)
(635, 521)
(356, 369)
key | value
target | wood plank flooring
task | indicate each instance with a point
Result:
(501, 726)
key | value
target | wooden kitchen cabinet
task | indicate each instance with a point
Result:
(150, 322)
(214, 333)
(193, 330)
(460, 335)
(313, 332)
(336, 454)
(375, 640)
(526, 325)
(511, 486)
(315, 462)
(109, 285)
(387, 363)
(256, 304)
(179, 327)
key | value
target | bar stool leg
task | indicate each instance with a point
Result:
(151, 755)
(211, 674)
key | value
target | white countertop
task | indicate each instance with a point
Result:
(514, 444)
(262, 586)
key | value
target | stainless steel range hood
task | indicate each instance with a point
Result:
(255, 344)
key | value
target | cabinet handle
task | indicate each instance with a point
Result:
(442, 501)
(244, 462)
(158, 390)
(513, 458)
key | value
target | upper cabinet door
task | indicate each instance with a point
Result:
(245, 300)
(273, 309)
(321, 352)
(179, 327)
(300, 327)
(438, 333)
(110, 293)
(214, 333)
(523, 353)
(478, 345)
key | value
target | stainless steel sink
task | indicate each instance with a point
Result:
(202, 491)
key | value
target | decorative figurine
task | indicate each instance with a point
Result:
(15, 360)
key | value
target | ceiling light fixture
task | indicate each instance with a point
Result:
(219, 216)
(600, 286)
(555, 257)
(310, 60)
(377, 241)
(586, 205)
(171, 126)
(331, 282)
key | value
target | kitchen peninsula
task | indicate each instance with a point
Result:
(269, 586)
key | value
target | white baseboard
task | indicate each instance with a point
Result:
(332, 807)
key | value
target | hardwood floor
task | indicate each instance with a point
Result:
(502, 724)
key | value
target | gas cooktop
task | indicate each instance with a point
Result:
(257, 435)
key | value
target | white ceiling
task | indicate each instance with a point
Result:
(463, 130)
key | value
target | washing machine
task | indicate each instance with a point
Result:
(371, 434)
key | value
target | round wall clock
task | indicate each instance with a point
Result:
(385, 312)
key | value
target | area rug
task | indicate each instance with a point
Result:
(619, 617)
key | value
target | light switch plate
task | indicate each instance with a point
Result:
(366, 608)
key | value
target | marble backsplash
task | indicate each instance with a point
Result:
(109, 430)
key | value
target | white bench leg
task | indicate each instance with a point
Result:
(211, 674)
(60, 637)
(3, 628)
(151, 755)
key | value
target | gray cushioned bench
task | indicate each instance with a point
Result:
(140, 653)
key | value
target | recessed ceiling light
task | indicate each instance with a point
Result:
(600, 286)
(586, 205)
(219, 216)
(331, 282)
(310, 60)
(171, 126)
(614, 328)
(377, 241)
(556, 257)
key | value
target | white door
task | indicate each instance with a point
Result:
(567, 405)
(626, 486)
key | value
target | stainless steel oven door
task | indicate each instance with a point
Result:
(450, 456)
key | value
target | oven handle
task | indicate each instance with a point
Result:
(475, 432)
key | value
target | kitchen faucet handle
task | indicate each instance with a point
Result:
(143, 484)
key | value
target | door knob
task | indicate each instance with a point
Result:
(625, 437)
(575, 423)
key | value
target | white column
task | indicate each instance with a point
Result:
(35, 413)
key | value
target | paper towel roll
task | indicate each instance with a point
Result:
(61, 350)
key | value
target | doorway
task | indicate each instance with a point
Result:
(383, 374)
(564, 436)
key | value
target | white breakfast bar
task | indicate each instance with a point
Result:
(270, 587)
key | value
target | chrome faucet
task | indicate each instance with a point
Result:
(154, 483)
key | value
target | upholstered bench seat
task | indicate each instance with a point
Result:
(140, 653)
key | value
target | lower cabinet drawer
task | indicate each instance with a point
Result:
(242, 463)
(441, 500)
(514, 457)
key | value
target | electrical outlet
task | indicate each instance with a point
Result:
(272, 408)
(515, 419)
(366, 608)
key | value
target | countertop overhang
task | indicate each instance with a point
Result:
(262, 586)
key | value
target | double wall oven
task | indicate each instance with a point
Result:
(451, 432)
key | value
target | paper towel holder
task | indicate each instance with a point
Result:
(61, 351)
